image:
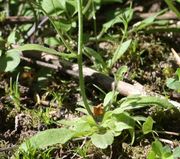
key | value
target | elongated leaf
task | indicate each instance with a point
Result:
(102, 140)
(120, 51)
(37, 47)
(108, 98)
(111, 1)
(93, 53)
(146, 22)
(134, 102)
(172, 7)
(9, 61)
(49, 138)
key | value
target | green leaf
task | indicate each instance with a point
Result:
(63, 25)
(54, 6)
(36, 47)
(120, 72)
(147, 125)
(157, 148)
(178, 73)
(13, 37)
(93, 53)
(173, 84)
(118, 17)
(146, 22)
(83, 110)
(120, 51)
(108, 98)
(51, 41)
(9, 61)
(120, 126)
(48, 138)
(102, 140)
(125, 118)
(176, 152)
(136, 101)
(151, 155)
(167, 153)
(60, 6)
(111, 1)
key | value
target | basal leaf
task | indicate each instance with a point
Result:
(125, 118)
(102, 140)
(120, 126)
(136, 101)
(48, 138)
(120, 51)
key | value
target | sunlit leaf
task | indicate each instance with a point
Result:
(102, 140)
(147, 125)
(157, 148)
(176, 152)
(120, 51)
(48, 138)
(9, 61)
(40, 48)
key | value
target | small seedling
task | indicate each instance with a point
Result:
(15, 93)
(158, 151)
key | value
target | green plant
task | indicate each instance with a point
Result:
(33, 153)
(110, 125)
(101, 125)
(14, 92)
(174, 83)
(9, 61)
(159, 152)
(82, 150)
(44, 116)
(123, 17)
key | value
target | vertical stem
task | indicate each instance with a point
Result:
(80, 46)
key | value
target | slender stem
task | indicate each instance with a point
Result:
(80, 46)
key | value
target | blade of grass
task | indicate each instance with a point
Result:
(172, 7)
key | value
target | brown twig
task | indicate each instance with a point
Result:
(167, 141)
(103, 81)
(169, 133)
(137, 16)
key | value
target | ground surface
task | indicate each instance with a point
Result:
(47, 96)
